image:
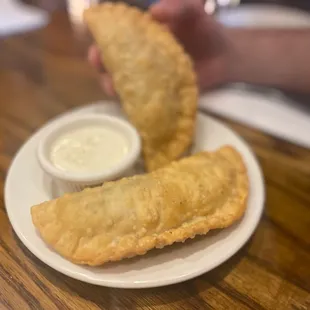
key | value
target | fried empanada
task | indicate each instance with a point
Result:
(153, 76)
(134, 215)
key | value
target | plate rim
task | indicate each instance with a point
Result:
(135, 284)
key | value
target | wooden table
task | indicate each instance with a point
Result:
(44, 74)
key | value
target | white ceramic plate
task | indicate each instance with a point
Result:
(26, 185)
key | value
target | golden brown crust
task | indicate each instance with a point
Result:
(153, 77)
(134, 215)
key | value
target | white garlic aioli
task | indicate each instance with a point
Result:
(88, 149)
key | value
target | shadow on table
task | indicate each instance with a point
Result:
(186, 294)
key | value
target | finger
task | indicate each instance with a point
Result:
(94, 57)
(171, 11)
(167, 10)
(107, 85)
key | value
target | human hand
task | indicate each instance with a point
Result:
(201, 36)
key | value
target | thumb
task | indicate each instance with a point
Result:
(167, 11)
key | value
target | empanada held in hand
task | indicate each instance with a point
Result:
(153, 77)
(134, 215)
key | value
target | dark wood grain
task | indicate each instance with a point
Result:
(42, 75)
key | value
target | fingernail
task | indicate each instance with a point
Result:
(91, 54)
(107, 85)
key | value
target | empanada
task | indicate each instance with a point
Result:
(153, 77)
(133, 215)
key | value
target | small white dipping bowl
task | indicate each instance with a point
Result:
(74, 181)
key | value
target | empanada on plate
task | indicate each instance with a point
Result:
(134, 215)
(153, 76)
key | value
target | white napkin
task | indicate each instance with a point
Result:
(16, 17)
(273, 114)
(263, 15)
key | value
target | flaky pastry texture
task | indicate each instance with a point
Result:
(131, 216)
(153, 76)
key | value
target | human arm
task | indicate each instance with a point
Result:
(269, 57)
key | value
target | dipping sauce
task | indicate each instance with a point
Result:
(88, 149)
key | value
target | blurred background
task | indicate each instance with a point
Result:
(29, 20)
(29, 17)
(53, 4)
(41, 43)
